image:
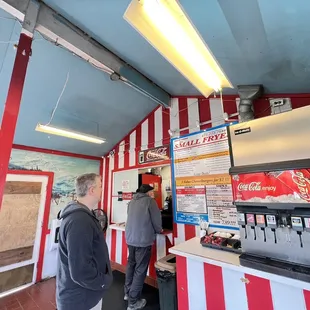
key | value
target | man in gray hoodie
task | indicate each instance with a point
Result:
(143, 223)
(84, 271)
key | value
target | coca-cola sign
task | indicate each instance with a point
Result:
(273, 187)
(156, 154)
(125, 196)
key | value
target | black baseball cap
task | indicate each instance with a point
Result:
(145, 188)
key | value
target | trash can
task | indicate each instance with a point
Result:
(166, 281)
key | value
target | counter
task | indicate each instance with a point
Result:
(211, 279)
(118, 248)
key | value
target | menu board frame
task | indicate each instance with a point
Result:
(178, 188)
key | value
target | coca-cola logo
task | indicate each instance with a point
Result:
(303, 185)
(157, 153)
(252, 187)
(127, 196)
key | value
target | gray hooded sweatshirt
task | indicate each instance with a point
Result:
(83, 271)
(143, 221)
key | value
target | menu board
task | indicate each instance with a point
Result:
(202, 184)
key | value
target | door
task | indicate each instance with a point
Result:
(21, 218)
(125, 183)
(155, 181)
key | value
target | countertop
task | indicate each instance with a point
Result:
(192, 249)
(122, 228)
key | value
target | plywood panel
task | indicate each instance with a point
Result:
(22, 187)
(19, 217)
(15, 256)
(17, 277)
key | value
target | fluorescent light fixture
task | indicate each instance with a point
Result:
(165, 25)
(68, 134)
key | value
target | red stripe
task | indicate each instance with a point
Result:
(307, 299)
(113, 245)
(183, 115)
(12, 105)
(190, 231)
(166, 125)
(258, 293)
(230, 106)
(124, 249)
(261, 108)
(175, 228)
(204, 113)
(214, 287)
(106, 184)
(151, 131)
(152, 261)
(45, 230)
(182, 283)
(126, 152)
(54, 152)
(138, 143)
(299, 102)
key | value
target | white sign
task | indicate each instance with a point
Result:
(201, 171)
(125, 185)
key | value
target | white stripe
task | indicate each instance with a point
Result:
(181, 233)
(121, 155)
(104, 167)
(193, 115)
(108, 240)
(132, 154)
(197, 230)
(119, 240)
(237, 105)
(174, 115)
(287, 297)
(234, 290)
(158, 115)
(144, 134)
(196, 285)
(160, 246)
(216, 109)
(110, 180)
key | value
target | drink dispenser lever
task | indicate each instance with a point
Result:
(261, 222)
(242, 223)
(250, 220)
(272, 224)
(297, 225)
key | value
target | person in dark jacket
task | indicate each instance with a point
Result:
(83, 271)
(143, 223)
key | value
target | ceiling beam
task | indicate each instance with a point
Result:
(59, 30)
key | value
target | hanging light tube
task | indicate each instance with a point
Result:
(165, 25)
(68, 134)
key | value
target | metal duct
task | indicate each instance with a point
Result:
(247, 94)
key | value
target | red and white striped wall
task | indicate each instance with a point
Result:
(203, 286)
(183, 117)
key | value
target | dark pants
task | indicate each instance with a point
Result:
(137, 265)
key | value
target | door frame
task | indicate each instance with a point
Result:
(47, 179)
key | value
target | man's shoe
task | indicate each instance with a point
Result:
(140, 304)
(126, 297)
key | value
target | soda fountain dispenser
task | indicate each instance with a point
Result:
(271, 188)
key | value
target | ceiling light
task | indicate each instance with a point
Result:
(68, 134)
(164, 24)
